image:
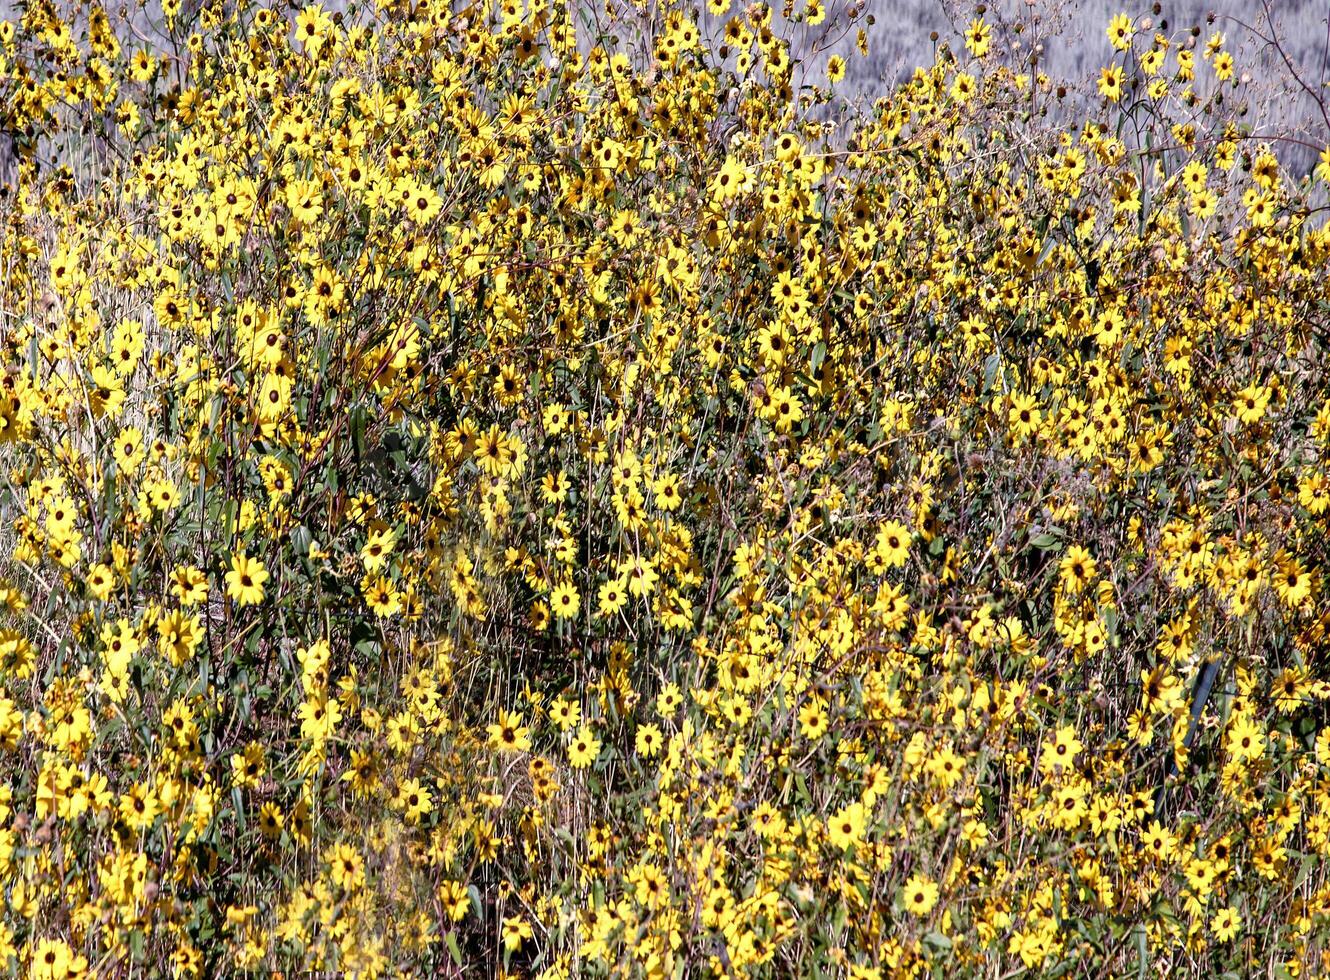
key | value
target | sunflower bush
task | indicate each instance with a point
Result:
(535, 490)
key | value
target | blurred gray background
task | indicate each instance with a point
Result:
(1070, 34)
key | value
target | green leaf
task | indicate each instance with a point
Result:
(939, 941)
(238, 802)
(1309, 861)
(358, 420)
(1046, 250)
(802, 786)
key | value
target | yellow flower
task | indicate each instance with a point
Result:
(564, 601)
(1250, 404)
(963, 88)
(179, 635)
(1158, 842)
(312, 24)
(1024, 416)
(244, 582)
(455, 899)
(1203, 204)
(508, 734)
(381, 595)
(188, 585)
(142, 66)
(583, 749)
(100, 581)
(1110, 83)
(1077, 568)
(414, 800)
(648, 741)
(845, 828)
(1246, 739)
(565, 713)
(814, 718)
(667, 493)
(1060, 750)
(978, 37)
(641, 576)
(515, 930)
(1226, 924)
(920, 895)
(106, 393)
(378, 549)
(54, 960)
(248, 766)
(346, 867)
(1120, 32)
(892, 546)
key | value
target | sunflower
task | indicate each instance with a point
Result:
(583, 749)
(564, 601)
(508, 734)
(1226, 923)
(244, 582)
(920, 894)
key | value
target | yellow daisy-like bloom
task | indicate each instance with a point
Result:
(515, 930)
(142, 66)
(814, 718)
(312, 25)
(1077, 568)
(893, 544)
(584, 748)
(846, 827)
(564, 713)
(248, 766)
(508, 734)
(564, 601)
(415, 800)
(1120, 32)
(346, 867)
(1323, 165)
(648, 741)
(978, 37)
(244, 582)
(1024, 416)
(188, 585)
(1250, 403)
(1226, 924)
(1110, 82)
(920, 895)
(611, 597)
